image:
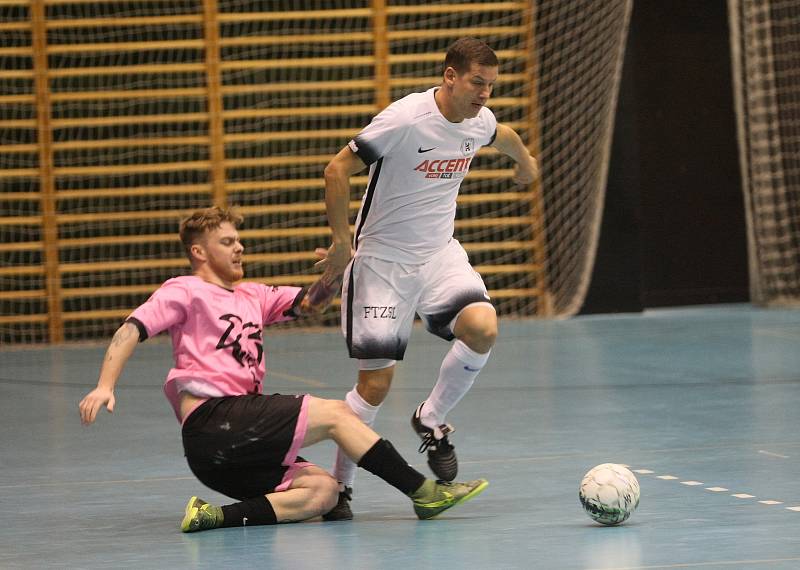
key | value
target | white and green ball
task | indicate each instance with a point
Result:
(609, 493)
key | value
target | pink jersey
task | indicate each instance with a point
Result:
(216, 334)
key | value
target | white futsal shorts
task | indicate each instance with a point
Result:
(379, 299)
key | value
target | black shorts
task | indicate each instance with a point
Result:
(246, 446)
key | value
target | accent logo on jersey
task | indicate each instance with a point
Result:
(468, 146)
(244, 340)
(447, 168)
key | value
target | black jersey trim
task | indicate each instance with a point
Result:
(294, 310)
(350, 288)
(491, 140)
(365, 151)
(140, 326)
(373, 183)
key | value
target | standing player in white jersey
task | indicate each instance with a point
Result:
(406, 260)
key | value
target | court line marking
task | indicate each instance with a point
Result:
(701, 564)
(771, 454)
(691, 483)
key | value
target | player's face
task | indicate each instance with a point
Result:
(472, 89)
(223, 253)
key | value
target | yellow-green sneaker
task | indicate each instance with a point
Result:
(444, 495)
(200, 516)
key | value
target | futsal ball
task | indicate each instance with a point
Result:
(609, 493)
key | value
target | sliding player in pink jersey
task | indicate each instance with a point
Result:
(418, 150)
(238, 441)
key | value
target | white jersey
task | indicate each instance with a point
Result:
(417, 161)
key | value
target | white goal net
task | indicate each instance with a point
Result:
(765, 40)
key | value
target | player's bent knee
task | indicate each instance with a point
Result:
(324, 489)
(477, 327)
(336, 412)
(327, 493)
(486, 329)
(339, 408)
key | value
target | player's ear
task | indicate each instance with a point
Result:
(198, 252)
(450, 75)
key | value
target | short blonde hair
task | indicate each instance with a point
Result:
(203, 221)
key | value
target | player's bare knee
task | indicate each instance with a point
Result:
(374, 385)
(486, 332)
(340, 409)
(478, 329)
(322, 491)
(340, 415)
(327, 495)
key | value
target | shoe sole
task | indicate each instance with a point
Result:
(474, 493)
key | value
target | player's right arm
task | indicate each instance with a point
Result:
(119, 350)
(509, 143)
(337, 203)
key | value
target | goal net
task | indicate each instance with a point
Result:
(765, 40)
(118, 117)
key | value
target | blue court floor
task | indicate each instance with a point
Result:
(701, 402)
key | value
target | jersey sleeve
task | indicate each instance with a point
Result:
(165, 308)
(275, 302)
(490, 124)
(379, 137)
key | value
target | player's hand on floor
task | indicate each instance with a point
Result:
(92, 403)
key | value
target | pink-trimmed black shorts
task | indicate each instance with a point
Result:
(246, 446)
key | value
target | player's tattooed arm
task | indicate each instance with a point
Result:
(316, 298)
(120, 338)
(119, 350)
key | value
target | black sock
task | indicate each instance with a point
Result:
(383, 460)
(249, 513)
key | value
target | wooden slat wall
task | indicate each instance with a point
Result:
(116, 123)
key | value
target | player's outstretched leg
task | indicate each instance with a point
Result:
(331, 419)
(441, 453)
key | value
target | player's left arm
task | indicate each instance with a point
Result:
(316, 298)
(320, 294)
(508, 142)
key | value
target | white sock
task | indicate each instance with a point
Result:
(345, 469)
(459, 369)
